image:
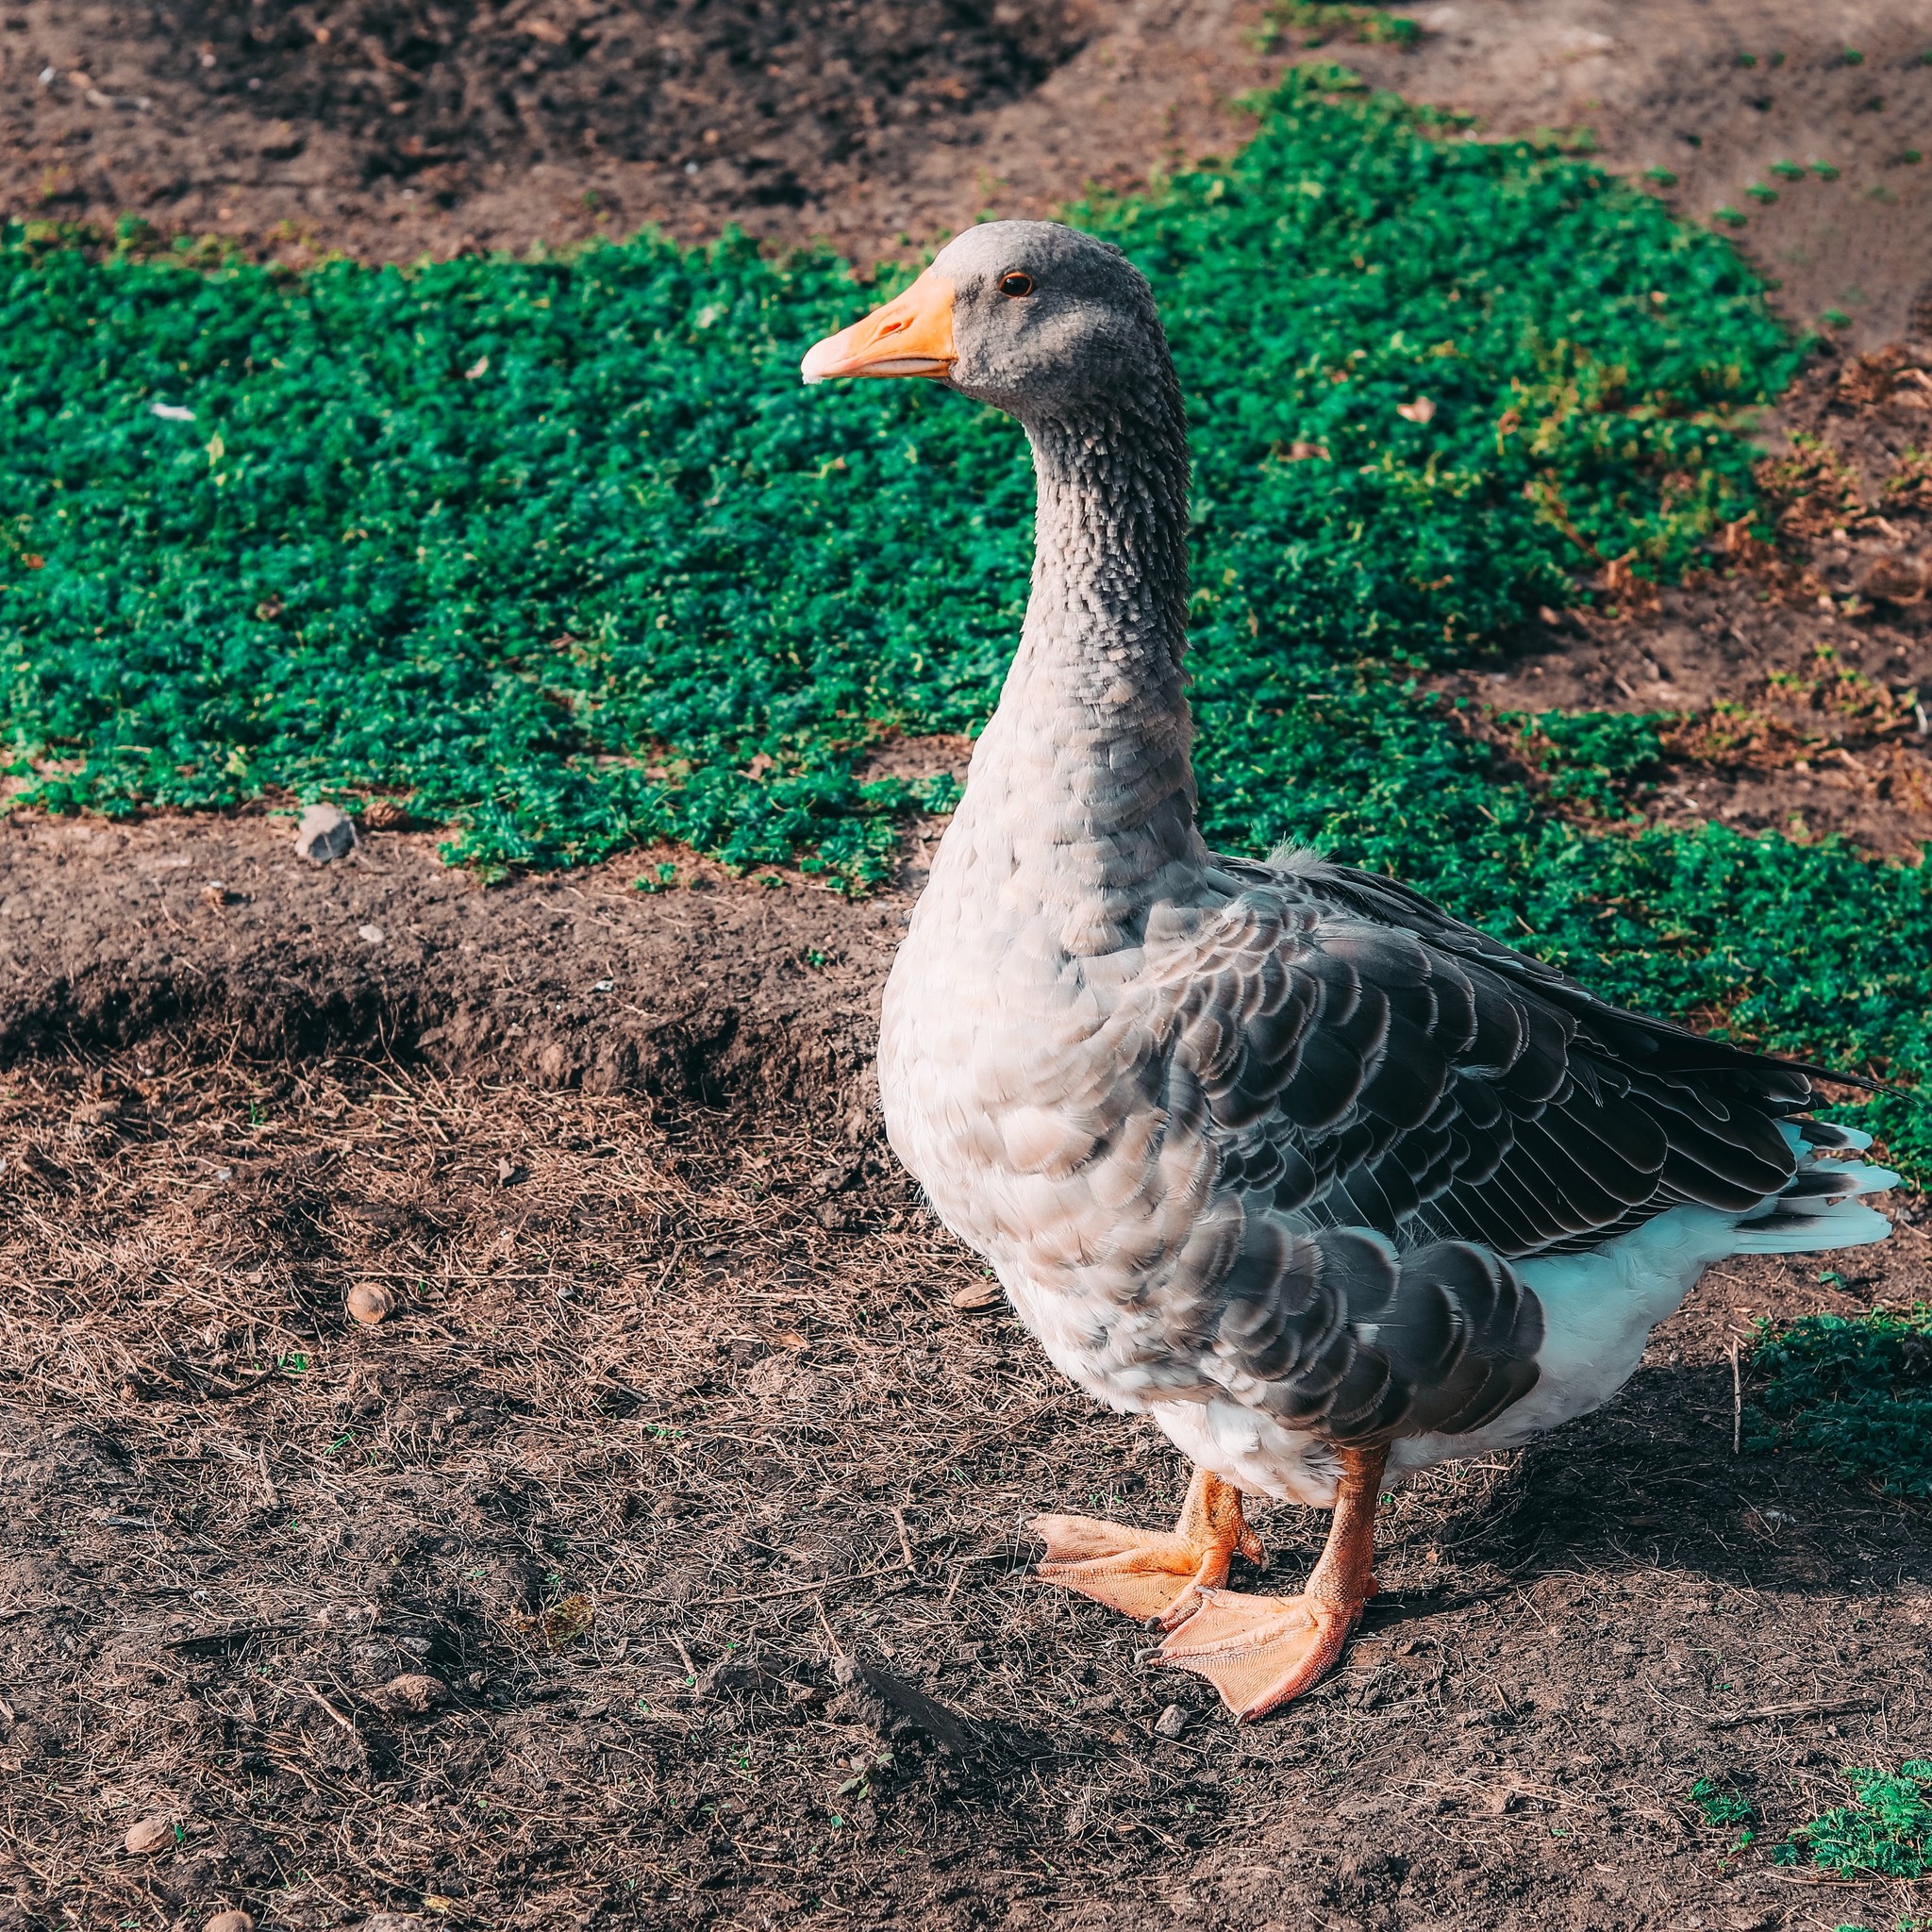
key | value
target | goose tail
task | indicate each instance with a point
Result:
(1825, 1205)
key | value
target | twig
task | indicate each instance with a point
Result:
(690, 1670)
(904, 1541)
(1772, 1714)
(1736, 1400)
(315, 1696)
(825, 1624)
(820, 1583)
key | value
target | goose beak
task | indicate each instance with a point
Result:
(913, 335)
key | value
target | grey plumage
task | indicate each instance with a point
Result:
(1265, 1141)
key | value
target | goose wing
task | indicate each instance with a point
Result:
(1400, 1106)
(1365, 1058)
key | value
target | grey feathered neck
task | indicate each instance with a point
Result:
(1087, 761)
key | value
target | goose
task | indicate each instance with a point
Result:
(1327, 1184)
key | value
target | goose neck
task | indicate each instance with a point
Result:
(1086, 768)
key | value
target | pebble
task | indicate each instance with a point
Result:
(369, 1302)
(1171, 1722)
(147, 1835)
(325, 832)
(372, 934)
(230, 1921)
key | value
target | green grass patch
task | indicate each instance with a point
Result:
(1592, 760)
(1317, 23)
(1855, 1391)
(563, 552)
(1885, 1832)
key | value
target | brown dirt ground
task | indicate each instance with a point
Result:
(671, 1417)
(678, 1471)
(392, 127)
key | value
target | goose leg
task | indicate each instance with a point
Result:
(1260, 1652)
(1151, 1573)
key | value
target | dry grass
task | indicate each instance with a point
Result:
(652, 1404)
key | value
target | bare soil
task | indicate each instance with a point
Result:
(661, 1560)
(389, 129)
(552, 1600)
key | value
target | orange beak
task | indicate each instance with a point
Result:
(913, 335)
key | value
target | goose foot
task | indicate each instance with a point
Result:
(1260, 1652)
(1151, 1574)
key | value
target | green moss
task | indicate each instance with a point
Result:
(1855, 1389)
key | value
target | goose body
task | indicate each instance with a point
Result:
(1326, 1183)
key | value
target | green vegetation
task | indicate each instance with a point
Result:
(1853, 1389)
(1718, 1805)
(1885, 1832)
(1725, 1810)
(560, 552)
(1591, 759)
(1319, 22)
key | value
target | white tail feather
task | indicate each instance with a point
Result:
(1843, 1224)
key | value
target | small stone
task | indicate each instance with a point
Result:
(369, 935)
(1503, 1799)
(981, 1298)
(230, 1921)
(1171, 1722)
(393, 1921)
(326, 832)
(738, 1674)
(369, 1302)
(149, 1835)
(412, 1694)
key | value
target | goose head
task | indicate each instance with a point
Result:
(1033, 317)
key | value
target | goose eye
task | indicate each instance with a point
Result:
(1014, 283)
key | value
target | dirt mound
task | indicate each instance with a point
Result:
(210, 936)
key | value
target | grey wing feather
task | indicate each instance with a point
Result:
(1402, 1106)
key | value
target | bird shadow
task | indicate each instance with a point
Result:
(1651, 1482)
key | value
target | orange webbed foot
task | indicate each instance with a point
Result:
(1261, 1652)
(1150, 1573)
